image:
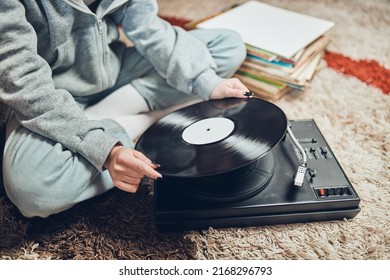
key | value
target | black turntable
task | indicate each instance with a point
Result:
(239, 162)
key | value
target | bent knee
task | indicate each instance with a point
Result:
(42, 178)
(31, 207)
(42, 191)
(36, 191)
(29, 198)
(236, 45)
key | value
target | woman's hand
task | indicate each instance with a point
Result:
(127, 167)
(232, 87)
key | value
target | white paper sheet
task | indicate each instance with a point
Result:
(270, 28)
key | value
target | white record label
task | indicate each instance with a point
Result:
(208, 131)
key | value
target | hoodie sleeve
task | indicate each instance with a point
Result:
(177, 56)
(27, 87)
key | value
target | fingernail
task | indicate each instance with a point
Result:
(156, 164)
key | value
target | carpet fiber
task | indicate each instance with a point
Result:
(349, 101)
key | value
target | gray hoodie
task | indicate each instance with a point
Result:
(53, 51)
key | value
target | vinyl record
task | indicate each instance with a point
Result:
(213, 137)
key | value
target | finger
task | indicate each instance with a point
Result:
(141, 156)
(145, 169)
(133, 181)
(135, 168)
(127, 170)
(238, 93)
(144, 158)
(235, 82)
(132, 188)
(239, 85)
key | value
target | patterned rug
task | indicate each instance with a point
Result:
(349, 100)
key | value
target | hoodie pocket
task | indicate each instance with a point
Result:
(65, 56)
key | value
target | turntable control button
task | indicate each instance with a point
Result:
(314, 152)
(309, 154)
(321, 192)
(347, 191)
(339, 191)
(312, 174)
(325, 152)
(313, 140)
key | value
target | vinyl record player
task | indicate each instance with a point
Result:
(258, 191)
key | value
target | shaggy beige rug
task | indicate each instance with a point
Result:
(354, 117)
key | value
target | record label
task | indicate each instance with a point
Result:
(208, 131)
(213, 137)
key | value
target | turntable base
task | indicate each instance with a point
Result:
(325, 195)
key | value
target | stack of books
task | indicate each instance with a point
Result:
(284, 48)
